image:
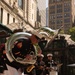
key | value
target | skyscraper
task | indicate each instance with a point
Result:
(42, 11)
(47, 17)
(61, 12)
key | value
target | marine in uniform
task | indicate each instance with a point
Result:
(40, 65)
(50, 64)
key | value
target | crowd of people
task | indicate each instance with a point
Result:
(45, 67)
(42, 67)
(20, 49)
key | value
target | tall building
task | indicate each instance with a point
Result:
(47, 17)
(18, 13)
(38, 23)
(61, 13)
(42, 11)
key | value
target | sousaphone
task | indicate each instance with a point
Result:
(31, 56)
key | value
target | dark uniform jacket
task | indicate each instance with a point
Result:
(51, 65)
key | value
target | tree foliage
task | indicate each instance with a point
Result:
(72, 33)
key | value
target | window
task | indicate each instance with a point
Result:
(52, 11)
(1, 15)
(67, 15)
(59, 16)
(51, 1)
(58, 0)
(67, 25)
(67, 20)
(52, 17)
(32, 16)
(59, 10)
(59, 6)
(67, 9)
(52, 22)
(8, 18)
(58, 26)
(67, 4)
(13, 20)
(52, 7)
(59, 21)
(32, 5)
(20, 3)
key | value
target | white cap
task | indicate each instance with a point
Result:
(40, 55)
(49, 54)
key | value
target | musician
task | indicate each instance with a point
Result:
(21, 50)
(50, 64)
(2, 58)
(40, 65)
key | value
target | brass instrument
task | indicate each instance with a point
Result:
(9, 45)
(30, 58)
(30, 68)
(33, 54)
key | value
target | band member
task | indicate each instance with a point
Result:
(50, 64)
(40, 65)
(2, 58)
(22, 50)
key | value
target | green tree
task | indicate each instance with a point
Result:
(72, 33)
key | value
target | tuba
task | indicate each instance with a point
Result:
(26, 57)
(29, 55)
(30, 58)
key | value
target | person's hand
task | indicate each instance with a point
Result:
(4, 51)
(19, 45)
(47, 68)
(41, 67)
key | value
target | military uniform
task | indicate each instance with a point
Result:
(50, 65)
(40, 65)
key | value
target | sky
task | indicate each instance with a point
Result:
(42, 4)
(46, 3)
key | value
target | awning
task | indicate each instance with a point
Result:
(68, 39)
(13, 26)
(4, 31)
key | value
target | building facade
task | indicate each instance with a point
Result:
(47, 17)
(61, 13)
(42, 11)
(18, 13)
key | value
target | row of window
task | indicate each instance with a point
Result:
(60, 21)
(1, 16)
(53, 1)
(60, 16)
(58, 26)
(60, 6)
(57, 22)
(60, 10)
(66, 26)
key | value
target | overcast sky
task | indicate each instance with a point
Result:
(46, 3)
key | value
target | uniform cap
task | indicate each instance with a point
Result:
(40, 55)
(49, 54)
